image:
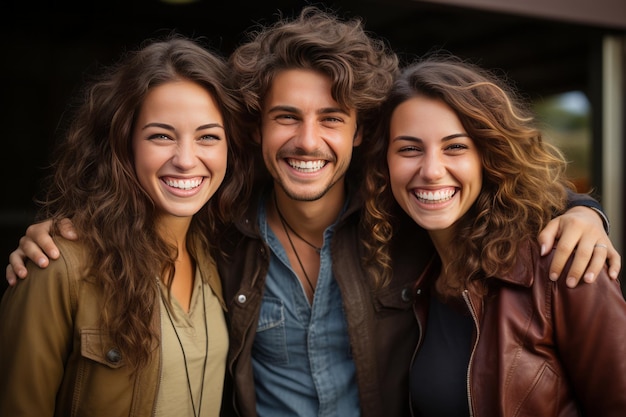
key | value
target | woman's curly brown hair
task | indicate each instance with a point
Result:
(524, 183)
(94, 183)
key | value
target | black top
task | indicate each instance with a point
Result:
(439, 373)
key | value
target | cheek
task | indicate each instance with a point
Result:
(147, 162)
(216, 160)
(401, 169)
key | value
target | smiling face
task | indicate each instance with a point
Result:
(434, 167)
(306, 137)
(180, 148)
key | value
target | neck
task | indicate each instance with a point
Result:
(441, 240)
(309, 218)
(174, 230)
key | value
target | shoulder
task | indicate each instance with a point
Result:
(72, 262)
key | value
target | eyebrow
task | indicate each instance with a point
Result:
(444, 139)
(171, 128)
(291, 109)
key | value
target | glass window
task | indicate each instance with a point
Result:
(566, 121)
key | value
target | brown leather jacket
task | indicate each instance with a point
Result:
(381, 324)
(541, 348)
(54, 358)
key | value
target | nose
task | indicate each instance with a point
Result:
(185, 156)
(308, 136)
(432, 167)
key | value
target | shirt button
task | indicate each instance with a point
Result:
(241, 298)
(114, 356)
(406, 295)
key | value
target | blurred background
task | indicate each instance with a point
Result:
(567, 56)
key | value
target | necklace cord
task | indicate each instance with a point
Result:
(206, 351)
(285, 228)
(285, 223)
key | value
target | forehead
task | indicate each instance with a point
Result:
(424, 113)
(184, 99)
(302, 89)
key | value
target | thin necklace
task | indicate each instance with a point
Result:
(286, 229)
(206, 351)
(284, 222)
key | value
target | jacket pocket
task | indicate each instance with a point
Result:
(98, 347)
(540, 397)
(395, 299)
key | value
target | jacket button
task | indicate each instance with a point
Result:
(406, 296)
(241, 298)
(114, 356)
(419, 291)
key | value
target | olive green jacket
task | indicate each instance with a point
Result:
(54, 358)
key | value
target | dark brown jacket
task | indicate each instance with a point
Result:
(382, 327)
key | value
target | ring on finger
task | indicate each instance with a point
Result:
(600, 245)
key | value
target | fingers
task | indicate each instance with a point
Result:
(38, 243)
(66, 228)
(614, 261)
(548, 235)
(16, 268)
(597, 261)
(580, 233)
(11, 276)
(562, 253)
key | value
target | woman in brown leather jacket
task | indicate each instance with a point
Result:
(129, 321)
(498, 337)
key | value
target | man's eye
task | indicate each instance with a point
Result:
(409, 149)
(285, 117)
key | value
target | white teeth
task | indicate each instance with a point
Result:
(184, 184)
(437, 196)
(307, 166)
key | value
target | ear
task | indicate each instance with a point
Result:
(358, 137)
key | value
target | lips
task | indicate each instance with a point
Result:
(306, 166)
(184, 184)
(435, 196)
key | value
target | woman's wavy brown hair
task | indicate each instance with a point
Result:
(94, 183)
(524, 183)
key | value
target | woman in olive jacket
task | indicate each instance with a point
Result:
(129, 321)
(497, 336)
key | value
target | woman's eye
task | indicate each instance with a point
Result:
(159, 136)
(407, 149)
(457, 147)
(209, 138)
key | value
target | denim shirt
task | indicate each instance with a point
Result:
(301, 354)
